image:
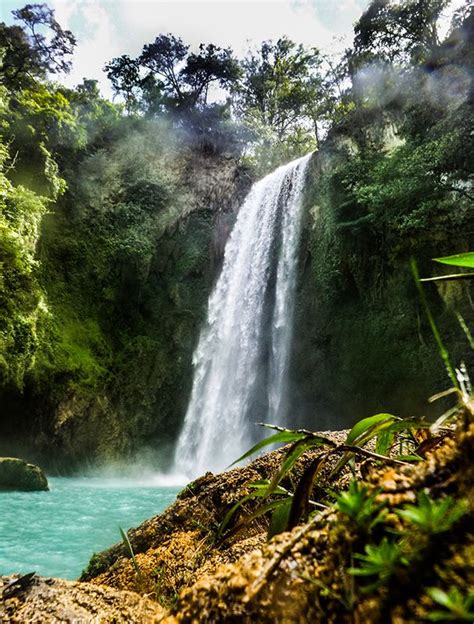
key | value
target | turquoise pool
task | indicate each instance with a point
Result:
(54, 533)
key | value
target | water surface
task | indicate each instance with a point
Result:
(54, 533)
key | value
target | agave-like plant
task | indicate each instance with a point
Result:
(431, 516)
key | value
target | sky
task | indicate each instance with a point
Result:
(108, 28)
(105, 29)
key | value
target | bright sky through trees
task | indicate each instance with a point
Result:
(108, 28)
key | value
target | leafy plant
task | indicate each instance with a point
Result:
(294, 507)
(380, 561)
(259, 490)
(462, 260)
(287, 511)
(360, 505)
(129, 549)
(431, 516)
(382, 427)
(434, 328)
(457, 606)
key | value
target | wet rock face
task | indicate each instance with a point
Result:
(53, 600)
(17, 474)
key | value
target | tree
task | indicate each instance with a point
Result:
(274, 84)
(124, 74)
(211, 65)
(27, 53)
(404, 30)
(162, 59)
(167, 76)
(285, 96)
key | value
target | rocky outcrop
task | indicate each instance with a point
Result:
(52, 600)
(135, 340)
(17, 474)
(361, 342)
(304, 575)
(176, 548)
(184, 572)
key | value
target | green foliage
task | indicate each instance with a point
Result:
(391, 30)
(288, 510)
(130, 552)
(434, 328)
(380, 561)
(464, 260)
(457, 607)
(368, 428)
(294, 506)
(380, 426)
(22, 303)
(281, 437)
(360, 505)
(433, 517)
(280, 517)
(38, 47)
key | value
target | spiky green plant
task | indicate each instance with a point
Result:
(457, 607)
(360, 504)
(379, 562)
(432, 516)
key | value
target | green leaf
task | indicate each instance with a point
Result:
(261, 488)
(434, 328)
(261, 511)
(462, 259)
(280, 517)
(384, 442)
(282, 437)
(369, 427)
(129, 548)
(362, 432)
(232, 511)
(439, 596)
(300, 504)
(294, 453)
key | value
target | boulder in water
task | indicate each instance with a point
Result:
(17, 474)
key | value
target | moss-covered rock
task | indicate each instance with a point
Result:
(17, 474)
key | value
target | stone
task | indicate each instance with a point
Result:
(17, 474)
(51, 601)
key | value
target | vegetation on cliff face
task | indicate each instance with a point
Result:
(113, 219)
(390, 183)
(112, 225)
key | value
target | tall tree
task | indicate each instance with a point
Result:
(167, 75)
(27, 53)
(124, 74)
(283, 88)
(403, 30)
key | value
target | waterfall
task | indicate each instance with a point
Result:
(241, 360)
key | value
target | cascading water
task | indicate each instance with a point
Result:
(241, 360)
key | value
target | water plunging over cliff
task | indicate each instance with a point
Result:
(241, 360)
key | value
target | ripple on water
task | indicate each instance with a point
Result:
(54, 533)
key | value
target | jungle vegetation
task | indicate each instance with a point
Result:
(105, 261)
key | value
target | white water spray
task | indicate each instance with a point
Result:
(241, 360)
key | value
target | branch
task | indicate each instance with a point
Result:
(454, 276)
